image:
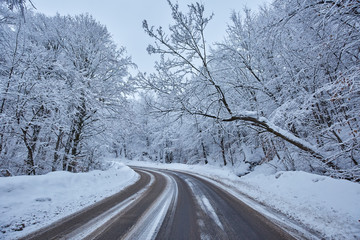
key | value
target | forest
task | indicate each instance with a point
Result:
(282, 88)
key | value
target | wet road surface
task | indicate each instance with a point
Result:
(166, 204)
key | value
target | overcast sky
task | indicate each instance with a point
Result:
(123, 19)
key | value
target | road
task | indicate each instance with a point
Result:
(166, 205)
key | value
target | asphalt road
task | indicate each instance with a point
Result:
(166, 205)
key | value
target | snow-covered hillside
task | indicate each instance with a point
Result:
(28, 203)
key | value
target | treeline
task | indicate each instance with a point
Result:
(282, 88)
(62, 84)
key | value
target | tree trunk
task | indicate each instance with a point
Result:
(222, 146)
(30, 146)
(67, 149)
(204, 152)
(57, 148)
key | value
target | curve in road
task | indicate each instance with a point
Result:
(165, 204)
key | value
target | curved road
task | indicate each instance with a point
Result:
(166, 204)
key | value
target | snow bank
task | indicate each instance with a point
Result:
(28, 203)
(330, 207)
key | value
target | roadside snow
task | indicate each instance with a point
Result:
(330, 207)
(28, 203)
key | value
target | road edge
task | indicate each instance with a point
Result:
(291, 226)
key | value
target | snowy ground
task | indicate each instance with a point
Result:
(28, 203)
(329, 207)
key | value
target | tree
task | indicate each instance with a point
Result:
(185, 46)
(63, 82)
(264, 71)
(12, 5)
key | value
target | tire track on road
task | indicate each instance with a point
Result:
(166, 204)
(212, 213)
(71, 224)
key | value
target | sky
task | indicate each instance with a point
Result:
(123, 19)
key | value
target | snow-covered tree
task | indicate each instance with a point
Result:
(63, 82)
(288, 72)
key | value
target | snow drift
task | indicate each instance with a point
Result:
(28, 203)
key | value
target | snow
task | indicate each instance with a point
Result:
(150, 223)
(28, 203)
(106, 216)
(325, 207)
(205, 204)
(329, 206)
(287, 134)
